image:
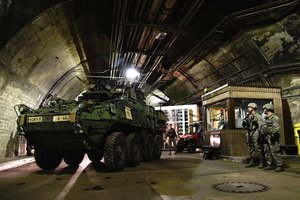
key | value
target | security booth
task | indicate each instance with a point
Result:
(224, 111)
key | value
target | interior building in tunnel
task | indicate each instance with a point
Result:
(182, 49)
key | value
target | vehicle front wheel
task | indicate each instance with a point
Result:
(115, 152)
(73, 157)
(47, 159)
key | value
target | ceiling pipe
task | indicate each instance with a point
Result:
(213, 66)
(217, 28)
(189, 78)
(119, 15)
(58, 82)
(182, 25)
(214, 83)
(282, 68)
(291, 88)
(293, 66)
(144, 12)
(214, 71)
(120, 42)
(150, 32)
(267, 8)
(166, 101)
(221, 67)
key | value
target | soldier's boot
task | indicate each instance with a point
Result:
(261, 164)
(279, 169)
(269, 167)
(251, 163)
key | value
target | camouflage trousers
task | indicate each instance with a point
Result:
(172, 141)
(273, 153)
(254, 147)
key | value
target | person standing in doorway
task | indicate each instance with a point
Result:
(171, 133)
(252, 123)
(270, 131)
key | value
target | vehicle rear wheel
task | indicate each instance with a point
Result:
(147, 148)
(158, 144)
(47, 159)
(115, 151)
(191, 147)
(134, 150)
(73, 157)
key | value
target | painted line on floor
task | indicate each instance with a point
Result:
(15, 163)
(73, 179)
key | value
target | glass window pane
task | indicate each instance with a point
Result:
(216, 116)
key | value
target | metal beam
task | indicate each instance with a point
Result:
(188, 77)
(159, 97)
(221, 67)
(158, 26)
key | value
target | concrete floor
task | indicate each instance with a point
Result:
(184, 176)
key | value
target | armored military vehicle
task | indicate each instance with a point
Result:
(114, 124)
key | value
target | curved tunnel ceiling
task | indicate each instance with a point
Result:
(177, 45)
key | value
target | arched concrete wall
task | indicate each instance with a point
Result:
(34, 62)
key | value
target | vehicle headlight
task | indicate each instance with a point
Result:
(81, 106)
(78, 129)
(113, 109)
(63, 107)
(23, 109)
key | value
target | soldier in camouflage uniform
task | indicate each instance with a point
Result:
(252, 124)
(270, 131)
(171, 133)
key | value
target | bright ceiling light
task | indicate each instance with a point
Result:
(132, 74)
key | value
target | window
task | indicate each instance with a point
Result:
(216, 116)
(240, 109)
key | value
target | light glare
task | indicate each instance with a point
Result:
(132, 74)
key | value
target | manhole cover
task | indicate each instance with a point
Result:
(240, 187)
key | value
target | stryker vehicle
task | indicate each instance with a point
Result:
(118, 126)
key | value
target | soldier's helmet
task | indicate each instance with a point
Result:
(252, 105)
(268, 106)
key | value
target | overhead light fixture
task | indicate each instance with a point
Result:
(161, 35)
(132, 74)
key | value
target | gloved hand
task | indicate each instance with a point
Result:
(248, 139)
(274, 137)
(245, 124)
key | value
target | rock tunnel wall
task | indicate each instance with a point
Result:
(41, 57)
(14, 89)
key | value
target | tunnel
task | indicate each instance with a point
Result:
(182, 48)
(100, 80)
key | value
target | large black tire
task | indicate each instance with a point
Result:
(134, 150)
(191, 147)
(180, 147)
(158, 144)
(73, 157)
(47, 159)
(115, 152)
(148, 148)
(95, 156)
